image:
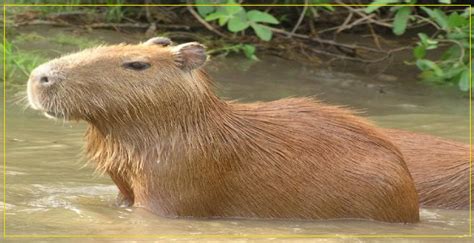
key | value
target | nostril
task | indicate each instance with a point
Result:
(44, 80)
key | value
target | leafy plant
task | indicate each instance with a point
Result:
(453, 65)
(247, 49)
(19, 64)
(400, 21)
(114, 13)
(452, 35)
(238, 19)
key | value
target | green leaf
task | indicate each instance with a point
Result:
(453, 72)
(231, 10)
(465, 43)
(458, 36)
(423, 38)
(430, 76)
(237, 24)
(424, 65)
(204, 10)
(401, 20)
(223, 20)
(259, 16)
(214, 16)
(249, 51)
(262, 31)
(452, 52)
(427, 42)
(463, 82)
(328, 7)
(456, 20)
(377, 4)
(439, 17)
(445, 1)
(419, 52)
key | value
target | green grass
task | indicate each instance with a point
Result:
(75, 41)
(21, 62)
(111, 14)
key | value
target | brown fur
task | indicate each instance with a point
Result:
(175, 148)
(439, 167)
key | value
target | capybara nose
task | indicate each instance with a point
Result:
(44, 76)
(44, 80)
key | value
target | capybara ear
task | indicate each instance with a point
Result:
(161, 41)
(190, 55)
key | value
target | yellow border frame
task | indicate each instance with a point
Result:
(223, 236)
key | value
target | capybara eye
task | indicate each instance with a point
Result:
(137, 65)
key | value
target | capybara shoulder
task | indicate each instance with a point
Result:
(175, 148)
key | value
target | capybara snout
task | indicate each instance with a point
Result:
(131, 75)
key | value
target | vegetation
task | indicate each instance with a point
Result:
(20, 63)
(452, 33)
(440, 52)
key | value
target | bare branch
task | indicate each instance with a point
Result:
(345, 23)
(369, 18)
(102, 25)
(300, 19)
(204, 23)
(387, 55)
(324, 41)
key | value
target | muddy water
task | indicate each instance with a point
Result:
(51, 192)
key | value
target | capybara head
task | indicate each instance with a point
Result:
(119, 82)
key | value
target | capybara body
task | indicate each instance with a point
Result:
(173, 147)
(439, 167)
(267, 160)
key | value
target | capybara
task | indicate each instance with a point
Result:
(173, 147)
(439, 167)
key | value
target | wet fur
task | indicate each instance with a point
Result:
(283, 159)
(439, 167)
(175, 148)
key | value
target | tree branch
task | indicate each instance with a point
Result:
(323, 41)
(300, 19)
(204, 23)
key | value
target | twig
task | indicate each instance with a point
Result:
(300, 19)
(362, 20)
(203, 22)
(148, 16)
(66, 14)
(346, 21)
(374, 36)
(387, 55)
(427, 21)
(137, 25)
(461, 47)
(41, 22)
(102, 25)
(367, 17)
(312, 29)
(323, 41)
